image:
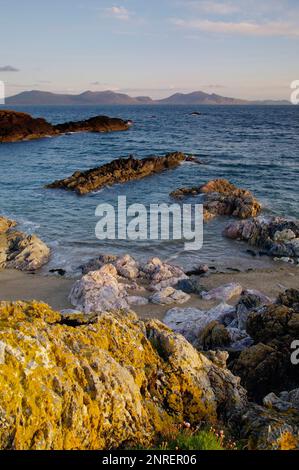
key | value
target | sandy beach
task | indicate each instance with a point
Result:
(54, 290)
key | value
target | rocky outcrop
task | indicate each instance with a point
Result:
(223, 198)
(266, 366)
(19, 250)
(117, 171)
(102, 382)
(16, 126)
(276, 236)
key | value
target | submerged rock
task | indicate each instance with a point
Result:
(115, 382)
(223, 198)
(117, 171)
(277, 236)
(16, 126)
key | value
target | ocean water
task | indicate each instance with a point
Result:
(255, 147)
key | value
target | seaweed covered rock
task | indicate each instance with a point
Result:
(110, 382)
(278, 237)
(266, 366)
(223, 198)
(117, 171)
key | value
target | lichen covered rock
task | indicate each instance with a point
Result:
(110, 382)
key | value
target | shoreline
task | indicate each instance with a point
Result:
(53, 290)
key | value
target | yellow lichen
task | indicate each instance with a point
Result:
(287, 441)
(96, 385)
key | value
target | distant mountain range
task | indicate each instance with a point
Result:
(36, 97)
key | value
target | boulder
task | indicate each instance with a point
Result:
(99, 291)
(127, 267)
(214, 336)
(277, 236)
(168, 296)
(266, 366)
(249, 300)
(112, 382)
(190, 322)
(223, 293)
(160, 274)
(23, 252)
(190, 286)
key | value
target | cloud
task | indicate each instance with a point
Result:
(121, 13)
(241, 28)
(8, 68)
(216, 7)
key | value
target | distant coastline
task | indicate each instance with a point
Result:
(36, 98)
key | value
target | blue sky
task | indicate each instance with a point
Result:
(244, 48)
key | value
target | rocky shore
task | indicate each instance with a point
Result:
(94, 374)
(16, 126)
(118, 171)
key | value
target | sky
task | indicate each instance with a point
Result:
(244, 49)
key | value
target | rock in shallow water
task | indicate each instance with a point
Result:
(117, 171)
(223, 198)
(277, 236)
(16, 126)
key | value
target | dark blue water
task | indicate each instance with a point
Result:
(254, 147)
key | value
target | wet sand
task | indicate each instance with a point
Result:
(54, 290)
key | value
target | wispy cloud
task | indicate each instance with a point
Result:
(8, 68)
(215, 7)
(119, 12)
(242, 28)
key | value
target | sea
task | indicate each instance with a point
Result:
(255, 147)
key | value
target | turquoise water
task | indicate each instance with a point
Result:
(255, 147)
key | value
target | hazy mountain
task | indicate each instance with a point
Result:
(36, 97)
(199, 97)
